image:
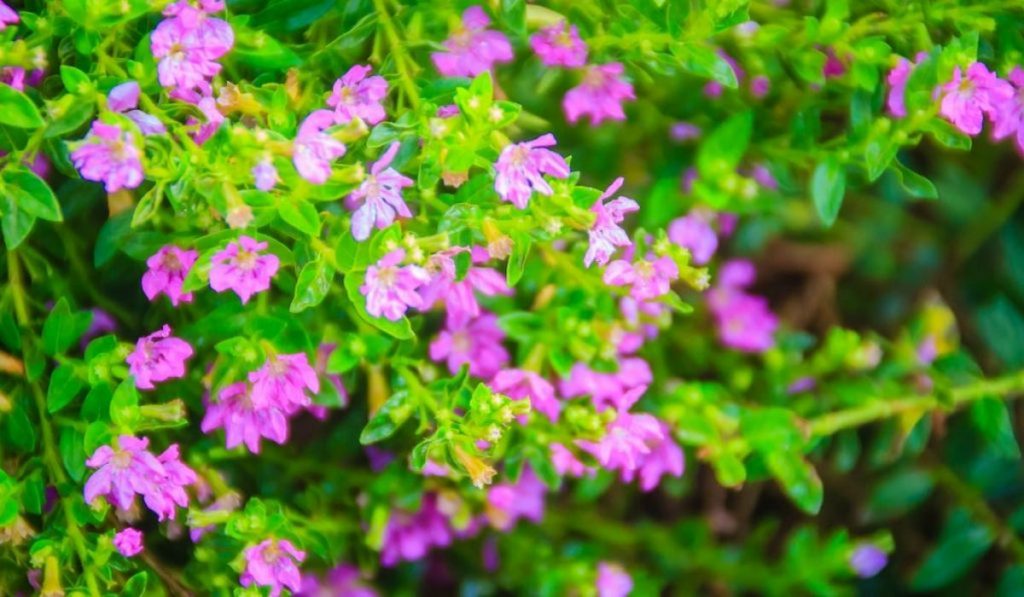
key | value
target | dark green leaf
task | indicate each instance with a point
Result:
(63, 387)
(16, 109)
(395, 411)
(828, 186)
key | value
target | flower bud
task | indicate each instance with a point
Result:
(480, 473)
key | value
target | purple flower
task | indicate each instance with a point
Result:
(314, 150)
(472, 49)
(357, 96)
(124, 97)
(897, 80)
(378, 199)
(609, 390)
(8, 16)
(648, 278)
(109, 155)
(867, 560)
(409, 536)
(966, 99)
(243, 421)
(694, 233)
(613, 580)
(626, 441)
(508, 502)
(459, 297)
(102, 323)
(13, 76)
(606, 234)
(128, 542)
(265, 174)
(187, 47)
(521, 166)
(833, 67)
(599, 96)
(684, 131)
(744, 321)
(273, 563)
(665, 457)
(343, 580)
(240, 267)
(760, 86)
(519, 383)
(158, 357)
(282, 382)
(168, 268)
(477, 343)
(390, 290)
(1009, 113)
(131, 470)
(566, 463)
(559, 45)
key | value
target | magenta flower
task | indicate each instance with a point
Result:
(599, 96)
(132, 470)
(508, 502)
(109, 155)
(343, 580)
(606, 234)
(158, 357)
(13, 76)
(559, 45)
(124, 97)
(694, 233)
(648, 278)
(627, 440)
(273, 563)
(187, 48)
(265, 175)
(1009, 113)
(390, 290)
(744, 321)
(834, 67)
(665, 458)
(760, 86)
(240, 267)
(378, 199)
(613, 580)
(102, 323)
(966, 99)
(168, 268)
(314, 150)
(684, 131)
(609, 390)
(128, 542)
(171, 490)
(282, 382)
(8, 16)
(521, 166)
(243, 421)
(519, 383)
(477, 343)
(566, 463)
(868, 560)
(897, 80)
(409, 536)
(474, 48)
(459, 297)
(357, 96)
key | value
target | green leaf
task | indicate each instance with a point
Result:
(72, 452)
(17, 110)
(400, 329)
(16, 224)
(63, 328)
(395, 411)
(74, 79)
(828, 186)
(32, 194)
(136, 585)
(770, 429)
(913, 183)
(878, 154)
(8, 500)
(124, 405)
(729, 470)
(798, 478)
(63, 387)
(898, 493)
(312, 286)
(702, 60)
(723, 149)
(992, 419)
(521, 244)
(96, 406)
(961, 543)
(302, 216)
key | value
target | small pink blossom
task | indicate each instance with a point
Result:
(282, 382)
(109, 155)
(508, 502)
(760, 86)
(1009, 113)
(241, 267)
(124, 97)
(273, 563)
(243, 421)
(665, 458)
(378, 199)
(313, 150)
(187, 47)
(559, 45)
(477, 343)
(390, 290)
(626, 441)
(744, 321)
(460, 296)
(131, 469)
(897, 80)
(606, 234)
(684, 131)
(158, 357)
(648, 278)
(616, 390)
(128, 542)
(473, 48)
(613, 580)
(521, 166)
(408, 536)
(168, 269)
(8, 16)
(695, 233)
(966, 99)
(344, 580)
(520, 383)
(600, 96)
(265, 174)
(566, 463)
(355, 95)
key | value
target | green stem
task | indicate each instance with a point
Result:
(402, 59)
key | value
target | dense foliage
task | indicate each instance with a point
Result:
(586, 297)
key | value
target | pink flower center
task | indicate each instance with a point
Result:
(595, 78)
(386, 276)
(347, 95)
(644, 269)
(245, 260)
(122, 459)
(171, 262)
(461, 341)
(519, 155)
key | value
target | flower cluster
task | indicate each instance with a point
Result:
(126, 469)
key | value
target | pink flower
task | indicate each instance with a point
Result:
(609, 390)
(665, 457)
(188, 45)
(243, 421)
(519, 383)
(8, 16)
(158, 357)
(168, 269)
(357, 96)
(566, 463)
(472, 49)
(559, 45)
(459, 297)
(508, 502)
(409, 536)
(282, 382)
(744, 321)
(391, 290)
(684, 131)
(124, 97)
(240, 267)
(477, 343)
(694, 233)
(599, 96)
(343, 580)
(833, 67)
(378, 199)
(1009, 114)
(314, 150)
(128, 542)
(109, 155)
(606, 234)
(273, 563)
(649, 278)
(13, 76)
(265, 174)
(897, 80)
(626, 442)
(521, 166)
(131, 470)
(966, 99)
(760, 86)
(613, 580)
